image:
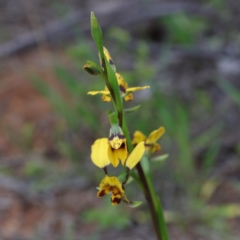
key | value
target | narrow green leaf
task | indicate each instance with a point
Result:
(160, 158)
(133, 109)
(134, 204)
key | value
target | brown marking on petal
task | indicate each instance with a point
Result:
(111, 137)
(123, 145)
(111, 61)
(116, 200)
(120, 136)
(101, 193)
(115, 191)
(122, 89)
(148, 144)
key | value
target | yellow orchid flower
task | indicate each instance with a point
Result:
(109, 150)
(126, 92)
(113, 185)
(103, 153)
(150, 141)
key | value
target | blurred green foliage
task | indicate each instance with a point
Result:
(230, 90)
(108, 216)
(183, 29)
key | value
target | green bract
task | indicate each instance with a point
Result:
(97, 34)
(92, 68)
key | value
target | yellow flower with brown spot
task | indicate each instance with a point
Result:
(150, 141)
(103, 154)
(109, 150)
(126, 92)
(117, 147)
(114, 186)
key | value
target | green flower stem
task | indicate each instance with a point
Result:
(150, 200)
(105, 78)
(146, 182)
(161, 220)
(158, 208)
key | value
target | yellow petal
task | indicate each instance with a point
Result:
(135, 155)
(138, 137)
(153, 148)
(106, 98)
(113, 157)
(107, 55)
(99, 153)
(116, 195)
(104, 183)
(112, 182)
(155, 135)
(133, 89)
(128, 97)
(122, 154)
(105, 190)
(122, 83)
(98, 92)
(156, 147)
(116, 199)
